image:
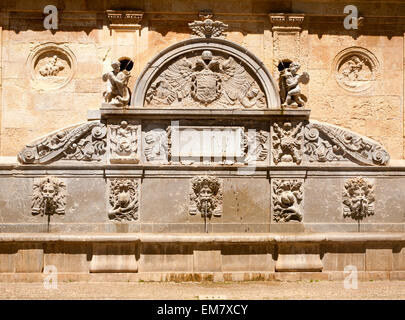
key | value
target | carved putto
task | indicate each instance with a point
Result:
(287, 197)
(156, 146)
(206, 196)
(84, 143)
(208, 28)
(358, 199)
(326, 142)
(124, 143)
(49, 197)
(287, 143)
(205, 80)
(124, 200)
(52, 68)
(290, 90)
(117, 92)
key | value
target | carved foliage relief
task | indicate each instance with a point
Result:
(86, 142)
(124, 200)
(287, 200)
(49, 196)
(325, 143)
(206, 196)
(205, 79)
(124, 143)
(358, 198)
(287, 138)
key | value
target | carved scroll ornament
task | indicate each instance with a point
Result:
(326, 142)
(85, 142)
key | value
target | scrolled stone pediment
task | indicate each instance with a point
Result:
(85, 142)
(325, 143)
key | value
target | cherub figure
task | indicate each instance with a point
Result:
(290, 90)
(52, 68)
(117, 92)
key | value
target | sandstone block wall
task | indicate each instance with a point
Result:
(89, 42)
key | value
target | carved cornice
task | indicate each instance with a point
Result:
(118, 19)
(286, 21)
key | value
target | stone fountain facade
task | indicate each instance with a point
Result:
(207, 169)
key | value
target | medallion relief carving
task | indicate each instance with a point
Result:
(356, 69)
(124, 200)
(206, 196)
(49, 196)
(124, 143)
(287, 200)
(85, 142)
(358, 198)
(287, 138)
(51, 66)
(205, 79)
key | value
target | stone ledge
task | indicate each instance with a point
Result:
(108, 111)
(203, 276)
(206, 238)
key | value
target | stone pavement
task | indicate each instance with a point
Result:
(302, 290)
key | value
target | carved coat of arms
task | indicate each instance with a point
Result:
(205, 80)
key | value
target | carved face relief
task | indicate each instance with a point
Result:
(287, 142)
(205, 79)
(124, 200)
(358, 198)
(49, 197)
(356, 69)
(206, 196)
(287, 197)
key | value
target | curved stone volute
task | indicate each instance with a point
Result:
(253, 66)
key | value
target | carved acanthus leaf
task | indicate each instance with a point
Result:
(326, 142)
(84, 142)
